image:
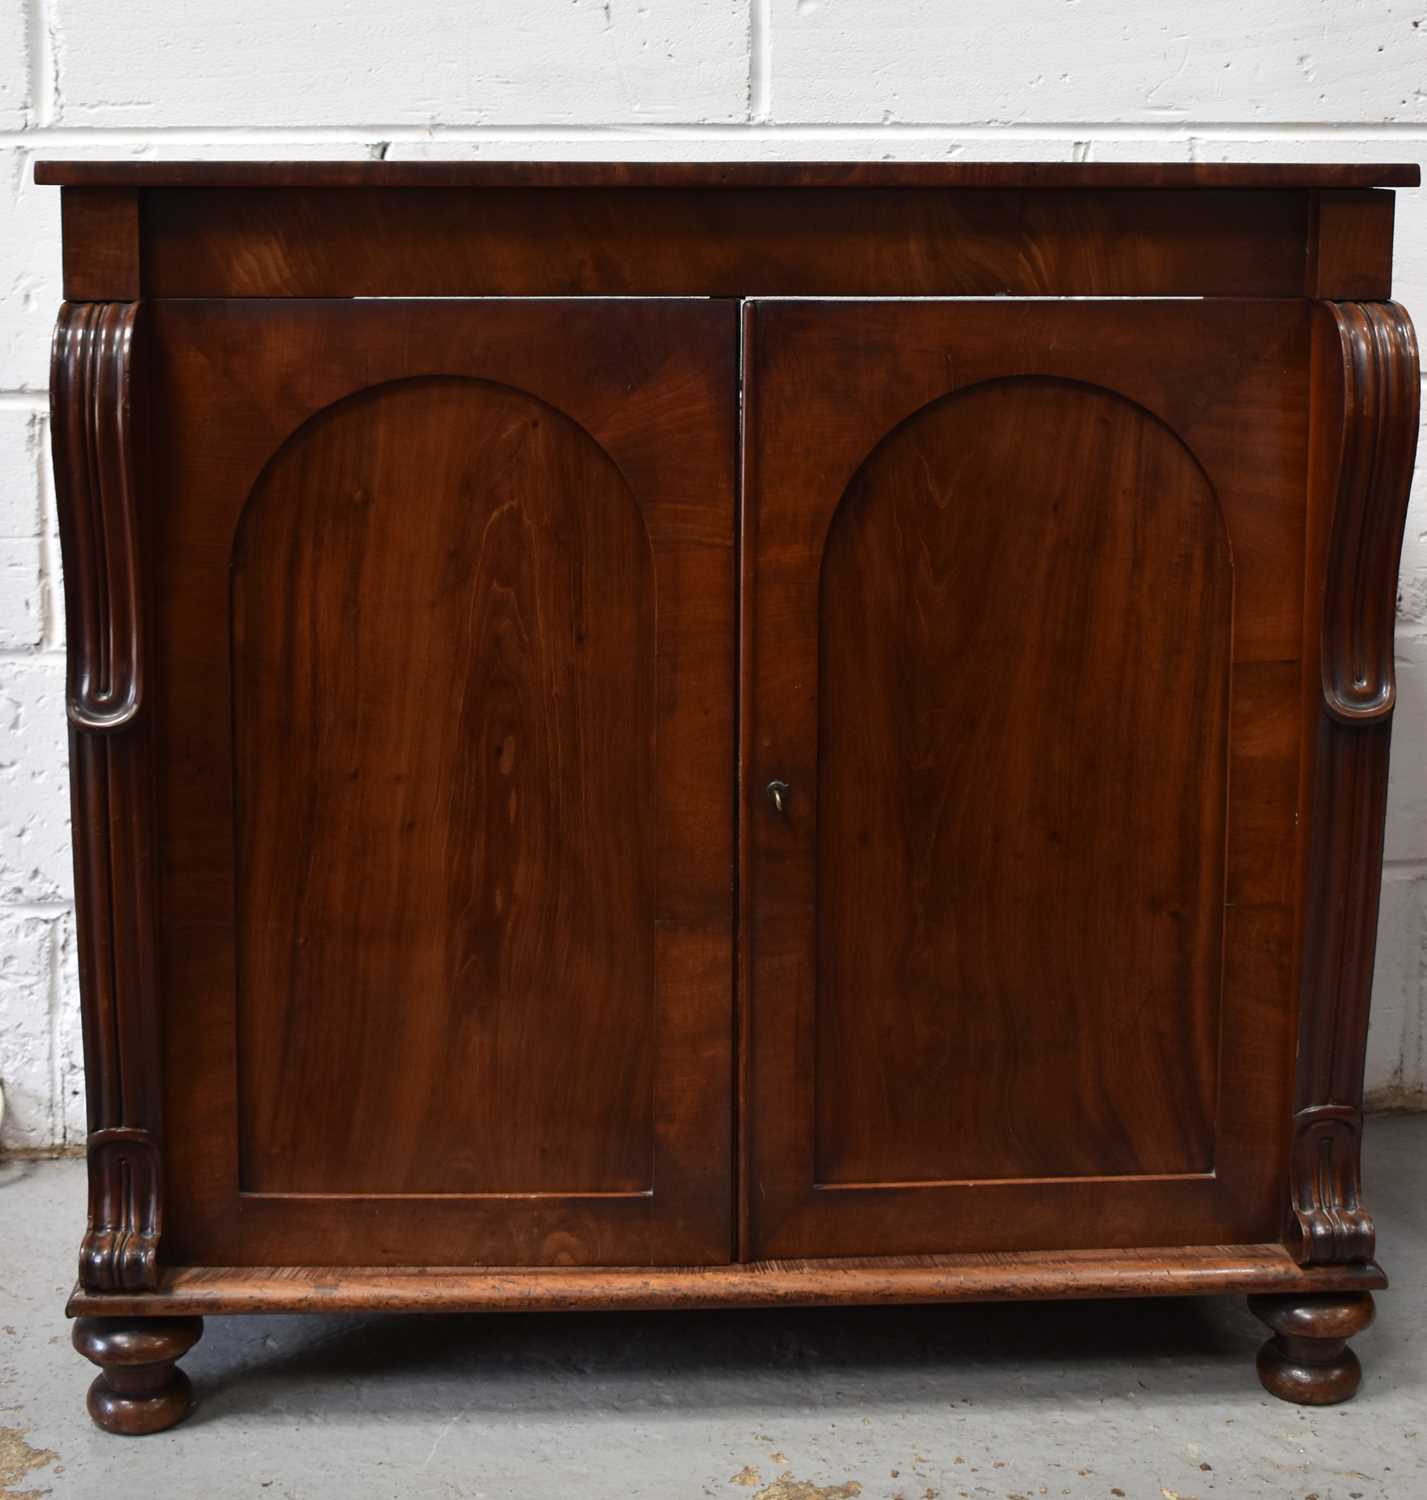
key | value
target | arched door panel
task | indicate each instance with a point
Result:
(459, 691)
(1023, 691)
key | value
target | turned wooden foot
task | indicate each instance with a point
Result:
(1308, 1360)
(139, 1388)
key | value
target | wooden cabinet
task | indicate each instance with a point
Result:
(641, 739)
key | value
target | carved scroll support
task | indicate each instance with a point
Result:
(96, 462)
(120, 1251)
(1365, 418)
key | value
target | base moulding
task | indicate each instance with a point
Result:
(1208, 1270)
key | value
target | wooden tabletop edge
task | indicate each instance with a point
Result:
(694, 175)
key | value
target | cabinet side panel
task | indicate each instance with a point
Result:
(1350, 244)
(101, 253)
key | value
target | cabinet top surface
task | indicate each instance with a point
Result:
(486, 174)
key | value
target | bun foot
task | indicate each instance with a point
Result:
(139, 1388)
(1307, 1361)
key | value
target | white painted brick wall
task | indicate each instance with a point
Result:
(1232, 80)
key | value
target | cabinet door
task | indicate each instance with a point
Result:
(1022, 634)
(445, 697)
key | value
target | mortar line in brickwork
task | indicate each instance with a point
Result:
(760, 60)
(51, 613)
(53, 987)
(42, 78)
(360, 136)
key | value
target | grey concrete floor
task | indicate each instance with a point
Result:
(1137, 1399)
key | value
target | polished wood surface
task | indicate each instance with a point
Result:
(261, 229)
(991, 754)
(1020, 946)
(1307, 1361)
(444, 656)
(1350, 244)
(1201, 1270)
(593, 174)
(101, 245)
(98, 429)
(1366, 381)
(730, 241)
(139, 1388)
(446, 686)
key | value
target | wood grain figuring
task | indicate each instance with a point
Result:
(802, 175)
(1020, 830)
(728, 241)
(443, 632)
(1350, 244)
(96, 431)
(971, 527)
(101, 244)
(447, 712)
(1217, 1270)
(1365, 434)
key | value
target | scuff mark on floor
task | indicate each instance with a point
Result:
(18, 1460)
(785, 1487)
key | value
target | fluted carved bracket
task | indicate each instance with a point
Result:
(120, 1249)
(1379, 439)
(96, 462)
(1365, 417)
(91, 405)
(1333, 1228)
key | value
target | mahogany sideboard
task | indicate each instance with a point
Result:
(696, 735)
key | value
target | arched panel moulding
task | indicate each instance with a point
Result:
(435, 902)
(993, 748)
